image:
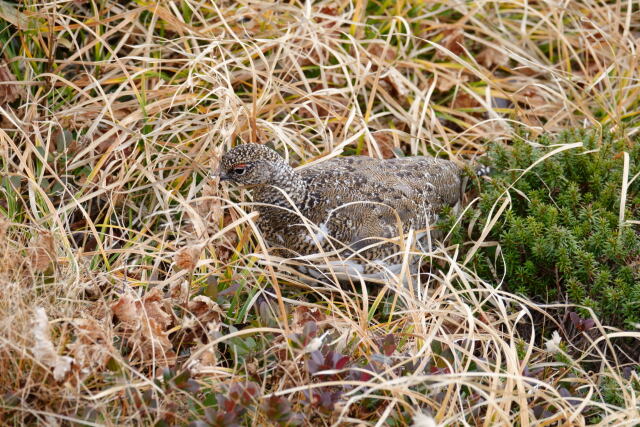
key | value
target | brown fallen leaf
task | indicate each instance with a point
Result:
(490, 57)
(397, 81)
(92, 347)
(445, 81)
(453, 40)
(126, 309)
(203, 319)
(10, 89)
(207, 357)
(209, 206)
(157, 345)
(42, 253)
(205, 309)
(325, 17)
(145, 322)
(187, 258)
(532, 96)
(43, 349)
(153, 303)
(382, 51)
(386, 143)
(6, 263)
(179, 291)
(464, 100)
(132, 311)
(303, 314)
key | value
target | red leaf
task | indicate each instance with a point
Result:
(342, 362)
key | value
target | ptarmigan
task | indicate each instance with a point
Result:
(346, 213)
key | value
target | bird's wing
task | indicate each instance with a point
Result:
(437, 179)
(362, 197)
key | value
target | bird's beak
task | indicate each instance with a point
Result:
(220, 175)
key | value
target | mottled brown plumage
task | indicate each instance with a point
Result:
(354, 205)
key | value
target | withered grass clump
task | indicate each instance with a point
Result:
(134, 289)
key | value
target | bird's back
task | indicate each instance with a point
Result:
(415, 178)
(360, 198)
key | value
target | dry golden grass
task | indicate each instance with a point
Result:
(122, 260)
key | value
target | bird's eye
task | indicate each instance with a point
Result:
(239, 169)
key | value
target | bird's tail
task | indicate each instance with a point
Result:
(482, 170)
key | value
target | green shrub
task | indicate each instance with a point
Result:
(560, 238)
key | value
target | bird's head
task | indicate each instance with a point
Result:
(253, 164)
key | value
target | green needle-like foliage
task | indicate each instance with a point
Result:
(561, 239)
